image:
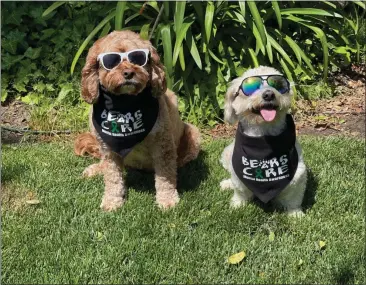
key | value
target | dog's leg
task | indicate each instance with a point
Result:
(114, 193)
(291, 197)
(226, 184)
(165, 165)
(94, 169)
(241, 197)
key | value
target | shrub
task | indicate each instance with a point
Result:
(204, 45)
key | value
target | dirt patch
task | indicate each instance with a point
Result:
(14, 115)
(16, 198)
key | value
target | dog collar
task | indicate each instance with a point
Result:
(266, 164)
(122, 121)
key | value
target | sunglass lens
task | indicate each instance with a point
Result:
(137, 57)
(250, 85)
(278, 82)
(111, 60)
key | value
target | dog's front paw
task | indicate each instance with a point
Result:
(92, 170)
(238, 201)
(226, 184)
(111, 203)
(296, 213)
(166, 202)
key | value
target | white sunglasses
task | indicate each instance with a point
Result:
(110, 60)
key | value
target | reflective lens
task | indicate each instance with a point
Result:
(111, 60)
(279, 83)
(250, 85)
(137, 57)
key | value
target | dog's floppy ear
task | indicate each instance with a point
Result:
(158, 80)
(89, 76)
(229, 112)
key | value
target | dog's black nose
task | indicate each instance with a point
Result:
(128, 73)
(268, 95)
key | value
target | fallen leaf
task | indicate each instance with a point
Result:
(99, 236)
(322, 245)
(261, 274)
(301, 262)
(236, 258)
(33, 202)
(271, 236)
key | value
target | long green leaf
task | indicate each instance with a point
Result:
(242, 7)
(89, 38)
(154, 5)
(258, 21)
(310, 11)
(105, 30)
(334, 26)
(130, 18)
(254, 57)
(179, 39)
(120, 12)
(289, 76)
(299, 52)
(144, 32)
(167, 47)
(166, 9)
(277, 10)
(193, 48)
(53, 7)
(181, 58)
(210, 9)
(330, 4)
(323, 40)
(269, 52)
(215, 57)
(280, 50)
(294, 47)
(360, 3)
(259, 42)
(180, 7)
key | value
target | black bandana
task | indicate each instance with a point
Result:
(123, 121)
(266, 164)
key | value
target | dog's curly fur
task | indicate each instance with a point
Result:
(170, 144)
(240, 108)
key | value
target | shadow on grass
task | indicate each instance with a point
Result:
(345, 274)
(13, 172)
(189, 176)
(311, 188)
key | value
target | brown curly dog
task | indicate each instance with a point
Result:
(169, 143)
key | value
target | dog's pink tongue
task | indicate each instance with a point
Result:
(268, 115)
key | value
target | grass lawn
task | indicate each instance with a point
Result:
(66, 238)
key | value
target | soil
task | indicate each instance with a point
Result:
(16, 115)
(343, 114)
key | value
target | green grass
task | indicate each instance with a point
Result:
(67, 239)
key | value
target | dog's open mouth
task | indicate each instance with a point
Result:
(268, 111)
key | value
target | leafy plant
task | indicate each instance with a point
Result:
(204, 45)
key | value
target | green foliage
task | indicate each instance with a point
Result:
(204, 45)
(38, 45)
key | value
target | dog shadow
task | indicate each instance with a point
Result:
(345, 271)
(189, 176)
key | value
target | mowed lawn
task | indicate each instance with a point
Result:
(66, 238)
